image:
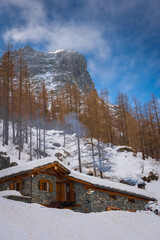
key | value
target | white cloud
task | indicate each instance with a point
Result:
(79, 36)
(32, 11)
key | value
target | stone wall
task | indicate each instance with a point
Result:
(101, 200)
(26, 186)
(4, 186)
(40, 196)
(82, 198)
(98, 201)
(87, 200)
(30, 187)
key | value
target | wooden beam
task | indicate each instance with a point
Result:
(14, 178)
(48, 173)
(109, 208)
(78, 180)
(51, 166)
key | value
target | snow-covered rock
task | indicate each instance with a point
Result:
(57, 68)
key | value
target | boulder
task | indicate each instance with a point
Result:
(4, 160)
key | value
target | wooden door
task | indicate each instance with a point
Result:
(64, 191)
(58, 191)
(61, 191)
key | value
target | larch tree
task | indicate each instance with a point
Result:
(7, 75)
(21, 79)
(139, 121)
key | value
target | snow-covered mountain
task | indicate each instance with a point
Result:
(57, 68)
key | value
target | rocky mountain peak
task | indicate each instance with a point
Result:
(28, 49)
(57, 68)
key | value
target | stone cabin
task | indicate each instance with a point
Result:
(53, 184)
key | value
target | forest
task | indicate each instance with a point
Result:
(89, 114)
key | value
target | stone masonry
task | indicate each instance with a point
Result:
(40, 196)
(86, 200)
(97, 201)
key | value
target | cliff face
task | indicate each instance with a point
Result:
(57, 68)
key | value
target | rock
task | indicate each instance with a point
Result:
(67, 153)
(151, 177)
(141, 185)
(56, 144)
(90, 173)
(4, 161)
(3, 153)
(129, 181)
(59, 155)
(57, 68)
(13, 164)
(41, 153)
(123, 149)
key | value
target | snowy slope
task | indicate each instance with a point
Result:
(116, 165)
(21, 221)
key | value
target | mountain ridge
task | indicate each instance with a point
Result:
(57, 68)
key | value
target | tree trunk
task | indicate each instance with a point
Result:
(79, 155)
(100, 159)
(94, 165)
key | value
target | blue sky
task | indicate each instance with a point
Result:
(119, 38)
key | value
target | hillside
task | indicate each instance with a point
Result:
(117, 165)
(32, 221)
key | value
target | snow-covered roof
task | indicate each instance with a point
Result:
(28, 166)
(98, 182)
(111, 185)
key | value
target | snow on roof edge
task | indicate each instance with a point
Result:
(28, 166)
(111, 185)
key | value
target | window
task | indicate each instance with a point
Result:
(131, 200)
(16, 185)
(45, 185)
(113, 196)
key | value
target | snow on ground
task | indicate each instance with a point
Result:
(154, 186)
(9, 192)
(22, 221)
(32, 221)
(116, 165)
